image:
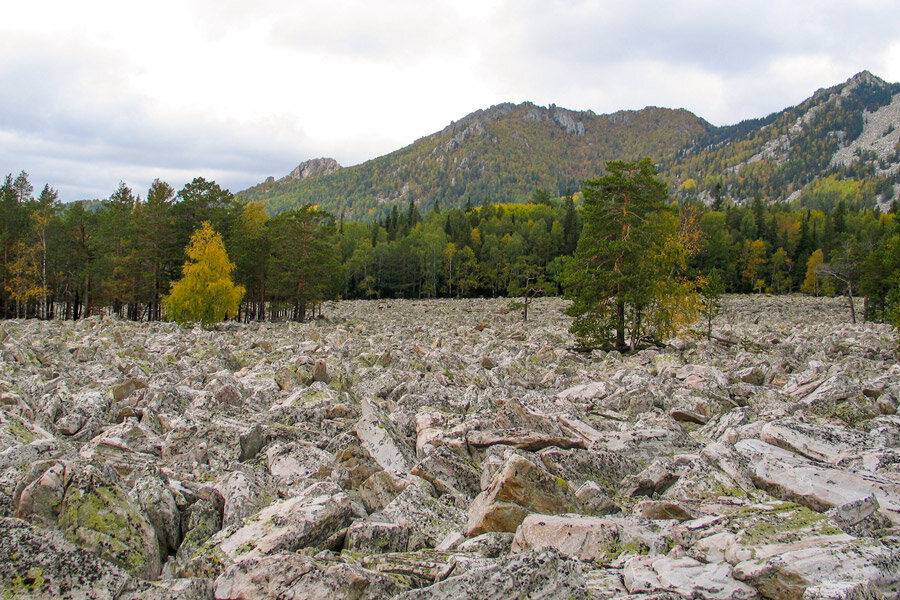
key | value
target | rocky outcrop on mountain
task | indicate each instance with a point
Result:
(313, 168)
(451, 450)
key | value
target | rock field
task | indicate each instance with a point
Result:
(445, 449)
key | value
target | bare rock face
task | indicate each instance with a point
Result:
(446, 449)
(316, 167)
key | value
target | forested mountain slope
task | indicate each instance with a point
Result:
(496, 155)
(840, 144)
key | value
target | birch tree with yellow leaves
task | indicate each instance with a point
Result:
(205, 293)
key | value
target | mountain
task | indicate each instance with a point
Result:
(846, 133)
(843, 142)
(500, 154)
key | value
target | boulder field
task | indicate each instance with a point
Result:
(447, 449)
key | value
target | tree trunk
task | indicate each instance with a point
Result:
(850, 298)
(620, 324)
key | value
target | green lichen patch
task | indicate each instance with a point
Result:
(102, 521)
(779, 523)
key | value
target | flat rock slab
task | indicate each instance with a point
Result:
(816, 485)
(290, 576)
(690, 579)
(307, 520)
(543, 575)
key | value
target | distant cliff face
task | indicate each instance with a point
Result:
(850, 131)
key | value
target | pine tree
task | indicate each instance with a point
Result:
(623, 279)
(205, 293)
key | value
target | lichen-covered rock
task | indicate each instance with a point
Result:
(313, 518)
(428, 518)
(294, 576)
(97, 515)
(819, 486)
(426, 405)
(543, 575)
(157, 502)
(40, 493)
(686, 577)
(520, 487)
(170, 589)
(38, 563)
(373, 537)
(589, 539)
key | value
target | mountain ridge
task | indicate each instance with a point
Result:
(504, 152)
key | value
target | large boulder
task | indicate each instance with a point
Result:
(292, 576)
(518, 488)
(97, 514)
(816, 485)
(686, 577)
(315, 518)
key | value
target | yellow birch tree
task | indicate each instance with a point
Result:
(205, 293)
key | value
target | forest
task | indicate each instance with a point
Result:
(121, 255)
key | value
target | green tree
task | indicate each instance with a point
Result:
(711, 292)
(304, 267)
(624, 278)
(205, 293)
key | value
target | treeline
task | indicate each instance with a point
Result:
(122, 254)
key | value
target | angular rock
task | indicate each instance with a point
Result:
(820, 487)
(428, 519)
(381, 440)
(310, 519)
(40, 494)
(449, 473)
(292, 576)
(170, 589)
(97, 515)
(520, 487)
(523, 439)
(380, 489)
(541, 575)
(843, 590)
(588, 539)
(372, 537)
(685, 577)
(38, 563)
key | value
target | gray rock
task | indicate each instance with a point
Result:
(543, 575)
(294, 577)
(313, 518)
(520, 487)
(38, 563)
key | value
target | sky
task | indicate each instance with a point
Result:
(95, 93)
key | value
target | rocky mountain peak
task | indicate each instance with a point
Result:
(316, 167)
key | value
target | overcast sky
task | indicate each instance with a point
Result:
(98, 92)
